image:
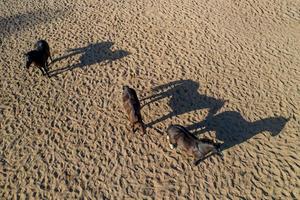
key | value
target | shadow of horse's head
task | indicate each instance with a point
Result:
(93, 53)
(99, 52)
(274, 125)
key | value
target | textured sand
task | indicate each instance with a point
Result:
(228, 70)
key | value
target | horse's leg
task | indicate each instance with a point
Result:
(172, 145)
(133, 128)
(42, 70)
(46, 68)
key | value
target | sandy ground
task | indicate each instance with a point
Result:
(228, 70)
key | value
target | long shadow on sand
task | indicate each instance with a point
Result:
(184, 98)
(230, 126)
(21, 21)
(91, 54)
(233, 129)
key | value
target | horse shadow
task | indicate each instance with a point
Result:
(91, 54)
(231, 128)
(184, 98)
(25, 21)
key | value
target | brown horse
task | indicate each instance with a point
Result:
(132, 106)
(179, 136)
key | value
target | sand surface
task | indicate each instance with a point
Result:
(228, 70)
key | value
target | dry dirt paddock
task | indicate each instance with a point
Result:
(225, 69)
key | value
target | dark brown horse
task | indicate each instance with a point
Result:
(132, 106)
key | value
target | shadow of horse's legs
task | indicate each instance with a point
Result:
(198, 128)
(64, 57)
(59, 71)
(64, 69)
(161, 119)
(153, 98)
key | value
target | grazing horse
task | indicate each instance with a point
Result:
(132, 106)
